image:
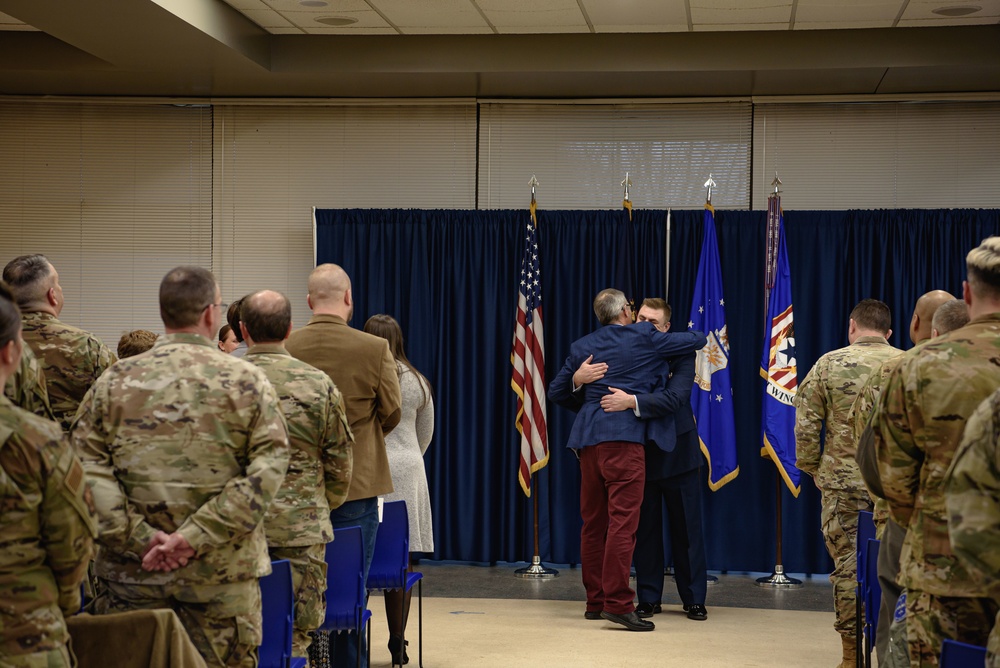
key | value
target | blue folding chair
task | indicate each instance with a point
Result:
(346, 600)
(872, 596)
(389, 566)
(866, 532)
(277, 600)
(955, 654)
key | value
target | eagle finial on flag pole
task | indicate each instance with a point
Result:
(627, 201)
(709, 184)
(534, 184)
(776, 184)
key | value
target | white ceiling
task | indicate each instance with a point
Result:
(491, 49)
(477, 17)
(472, 17)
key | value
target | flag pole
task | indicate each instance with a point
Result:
(777, 579)
(666, 271)
(537, 570)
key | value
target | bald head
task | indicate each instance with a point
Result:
(923, 313)
(330, 291)
(266, 316)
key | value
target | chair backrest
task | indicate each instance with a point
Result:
(392, 549)
(277, 599)
(345, 593)
(956, 654)
(866, 532)
(873, 590)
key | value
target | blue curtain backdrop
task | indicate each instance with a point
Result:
(450, 278)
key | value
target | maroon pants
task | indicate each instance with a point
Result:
(612, 478)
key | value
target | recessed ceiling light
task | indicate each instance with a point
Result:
(963, 10)
(313, 3)
(337, 21)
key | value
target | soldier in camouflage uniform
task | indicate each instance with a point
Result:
(26, 387)
(886, 530)
(185, 448)
(71, 358)
(972, 495)
(319, 470)
(826, 396)
(921, 414)
(47, 527)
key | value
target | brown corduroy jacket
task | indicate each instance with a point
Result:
(364, 371)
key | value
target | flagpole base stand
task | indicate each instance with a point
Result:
(536, 571)
(778, 580)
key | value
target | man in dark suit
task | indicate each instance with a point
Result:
(672, 477)
(610, 446)
(364, 371)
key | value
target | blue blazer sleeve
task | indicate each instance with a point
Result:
(561, 387)
(670, 344)
(675, 396)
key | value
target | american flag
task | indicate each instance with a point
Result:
(528, 358)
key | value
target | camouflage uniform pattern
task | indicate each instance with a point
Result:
(26, 388)
(826, 396)
(185, 438)
(71, 358)
(973, 500)
(308, 565)
(47, 532)
(297, 524)
(859, 417)
(921, 415)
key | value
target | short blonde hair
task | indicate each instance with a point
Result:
(983, 264)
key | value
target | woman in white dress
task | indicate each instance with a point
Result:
(405, 446)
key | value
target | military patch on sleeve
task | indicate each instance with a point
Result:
(76, 492)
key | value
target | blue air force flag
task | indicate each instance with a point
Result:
(778, 368)
(712, 395)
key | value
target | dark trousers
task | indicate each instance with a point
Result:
(612, 477)
(682, 494)
(362, 513)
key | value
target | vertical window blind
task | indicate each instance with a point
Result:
(581, 153)
(885, 155)
(273, 164)
(114, 196)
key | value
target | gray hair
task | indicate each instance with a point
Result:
(950, 316)
(608, 304)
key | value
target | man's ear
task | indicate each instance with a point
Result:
(50, 297)
(348, 297)
(309, 301)
(8, 352)
(244, 332)
(966, 293)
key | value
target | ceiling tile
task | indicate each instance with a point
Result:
(366, 19)
(939, 21)
(333, 6)
(639, 27)
(351, 30)
(847, 11)
(246, 4)
(428, 17)
(537, 16)
(267, 18)
(536, 29)
(636, 15)
(733, 27)
(446, 30)
(729, 12)
(923, 10)
(841, 25)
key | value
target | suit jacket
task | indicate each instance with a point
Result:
(364, 371)
(636, 356)
(668, 415)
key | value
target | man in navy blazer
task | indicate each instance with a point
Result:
(671, 477)
(610, 446)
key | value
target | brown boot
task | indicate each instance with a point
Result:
(850, 652)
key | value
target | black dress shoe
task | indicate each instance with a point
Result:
(647, 610)
(629, 620)
(592, 614)
(697, 612)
